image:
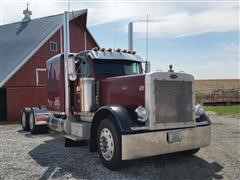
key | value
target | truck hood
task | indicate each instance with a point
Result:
(127, 91)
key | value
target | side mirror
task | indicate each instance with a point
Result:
(71, 69)
(147, 66)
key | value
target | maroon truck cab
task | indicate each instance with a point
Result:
(121, 89)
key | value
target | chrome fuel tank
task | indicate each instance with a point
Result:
(87, 94)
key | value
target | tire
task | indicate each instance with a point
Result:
(33, 127)
(43, 129)
(191, 152)
(25, 121)
(109, 145)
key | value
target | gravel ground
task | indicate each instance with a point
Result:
(26, 156)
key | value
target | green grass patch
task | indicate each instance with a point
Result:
(224, 110)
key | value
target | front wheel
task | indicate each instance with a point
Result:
(109, 144)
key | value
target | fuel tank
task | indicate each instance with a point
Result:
(127, 91)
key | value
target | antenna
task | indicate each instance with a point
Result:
(147, 40)
(147, 24)
(68, 5)
(115, 36)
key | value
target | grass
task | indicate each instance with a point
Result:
(224, 110)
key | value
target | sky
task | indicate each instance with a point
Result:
(197, 37)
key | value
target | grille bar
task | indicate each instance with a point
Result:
(173, 102)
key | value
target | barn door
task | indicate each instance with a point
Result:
(3, 104)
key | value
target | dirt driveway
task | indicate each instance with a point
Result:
(26, 156)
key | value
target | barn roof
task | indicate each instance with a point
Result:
(20, 40)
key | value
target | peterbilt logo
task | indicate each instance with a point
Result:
(173, 76)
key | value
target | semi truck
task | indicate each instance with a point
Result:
(111, 99)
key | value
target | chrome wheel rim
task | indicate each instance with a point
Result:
(31, 123)
(106, 144)
(24, 119)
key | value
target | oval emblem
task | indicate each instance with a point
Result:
(173, 76)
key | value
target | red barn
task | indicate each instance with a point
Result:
(25, 47)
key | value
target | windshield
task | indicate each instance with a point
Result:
(116, 67)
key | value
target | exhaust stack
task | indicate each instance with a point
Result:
(66, 55)
(63, 124)
(130, 36)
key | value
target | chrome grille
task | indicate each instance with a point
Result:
(173, 101)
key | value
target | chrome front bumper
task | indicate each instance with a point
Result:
(154, 143)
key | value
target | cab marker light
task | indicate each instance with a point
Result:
(109, 50)
(95, 49)
(118, 50)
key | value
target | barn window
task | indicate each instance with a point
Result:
(41, 77)
(53, 46)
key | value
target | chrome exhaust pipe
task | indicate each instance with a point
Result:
(130, 36)
(56, 124)
(64, 124)
(66, 55)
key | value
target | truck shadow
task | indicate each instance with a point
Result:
(79, 163)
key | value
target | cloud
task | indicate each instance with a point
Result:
(184, 23)
(230, 48)
(170, 19)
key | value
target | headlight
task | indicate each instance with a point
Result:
(141, 113)
(199, 110)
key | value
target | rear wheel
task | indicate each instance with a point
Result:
(33, 127)
(25, 121)
(109, 145)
